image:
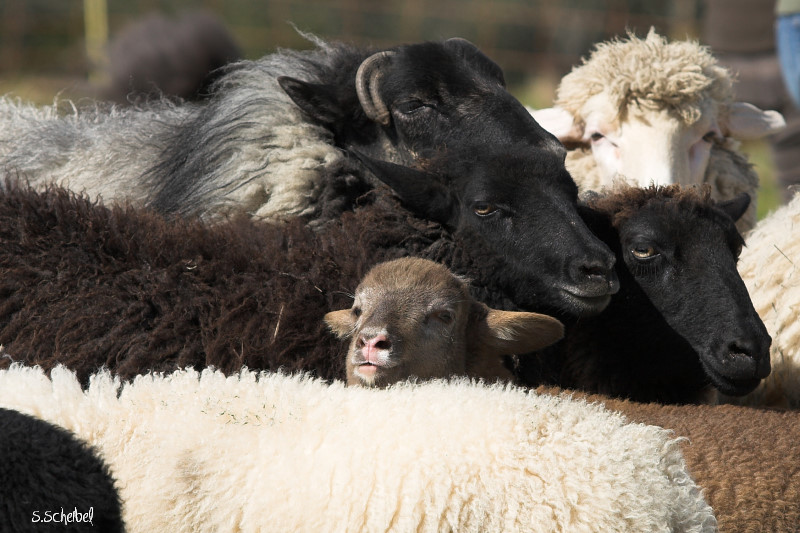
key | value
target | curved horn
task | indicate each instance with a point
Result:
(367, 78)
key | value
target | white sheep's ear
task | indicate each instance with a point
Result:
(342, 323)
(513, 332)
(559, 122)
(747, 122)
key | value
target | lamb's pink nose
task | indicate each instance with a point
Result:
(371, 347)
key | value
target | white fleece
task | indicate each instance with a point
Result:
(770, 267)
(269, 452)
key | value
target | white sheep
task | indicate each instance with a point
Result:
(269, 452)
(770, 267)
(649, 110)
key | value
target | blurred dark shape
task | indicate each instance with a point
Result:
(173, 57)
(741, 34)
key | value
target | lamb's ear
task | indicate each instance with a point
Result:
(747, 122)
(314, 99)
(736, 207)
(420, 191)
(512, 332)
(559, 122)
(342, 323)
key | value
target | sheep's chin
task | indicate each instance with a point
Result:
(729, 386)
(367, 373)
(579, 305)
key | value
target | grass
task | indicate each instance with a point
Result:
(42, 90)
(769, 195)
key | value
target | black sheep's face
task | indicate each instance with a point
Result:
(518, 209)
(422, 96)
(684, 260)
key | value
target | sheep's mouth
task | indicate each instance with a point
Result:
(585, 303)
(592, 296)
(734, 374)
(359, 363)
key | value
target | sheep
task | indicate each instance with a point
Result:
(745, 460)
(412, 317)
(520, 209)
(269, 139)
(270, 452)
(650, 343)
(51, 480)
(676, 263)
(122, 287)
(769, 267)
(649, 110)
(177, 57)
(682, 321)
(88, 286)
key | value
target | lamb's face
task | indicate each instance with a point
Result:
(648, 146)
(412, 318)
(408, 318)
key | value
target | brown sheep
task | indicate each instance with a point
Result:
(89, 286)
(746, 460)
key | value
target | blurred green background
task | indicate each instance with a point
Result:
(43, 43)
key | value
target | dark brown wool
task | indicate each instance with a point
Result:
(89, 286)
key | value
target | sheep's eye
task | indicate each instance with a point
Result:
(484, 209)
(356, 312)
(643, 252)
(710, 136)
(445, 317)
(596, 136)
(410, 106)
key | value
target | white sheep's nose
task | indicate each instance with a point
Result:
(371, 347)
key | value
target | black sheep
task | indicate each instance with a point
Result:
(682, 320)
(271, 130)
(52, 481)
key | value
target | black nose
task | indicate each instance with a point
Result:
(594, 276)
(747, 359)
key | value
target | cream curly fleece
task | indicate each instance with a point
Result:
(269, 452)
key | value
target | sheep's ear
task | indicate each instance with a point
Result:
(512, 332)
(747, 122)
(736, 207)
(476, 58)
(314, 99)
(559, 122)
(420, 191)
(341, 323)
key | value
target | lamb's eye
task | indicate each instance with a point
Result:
(484, 209)
(710, 136)
(445, 317)
(643, 252)
(596, 136)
